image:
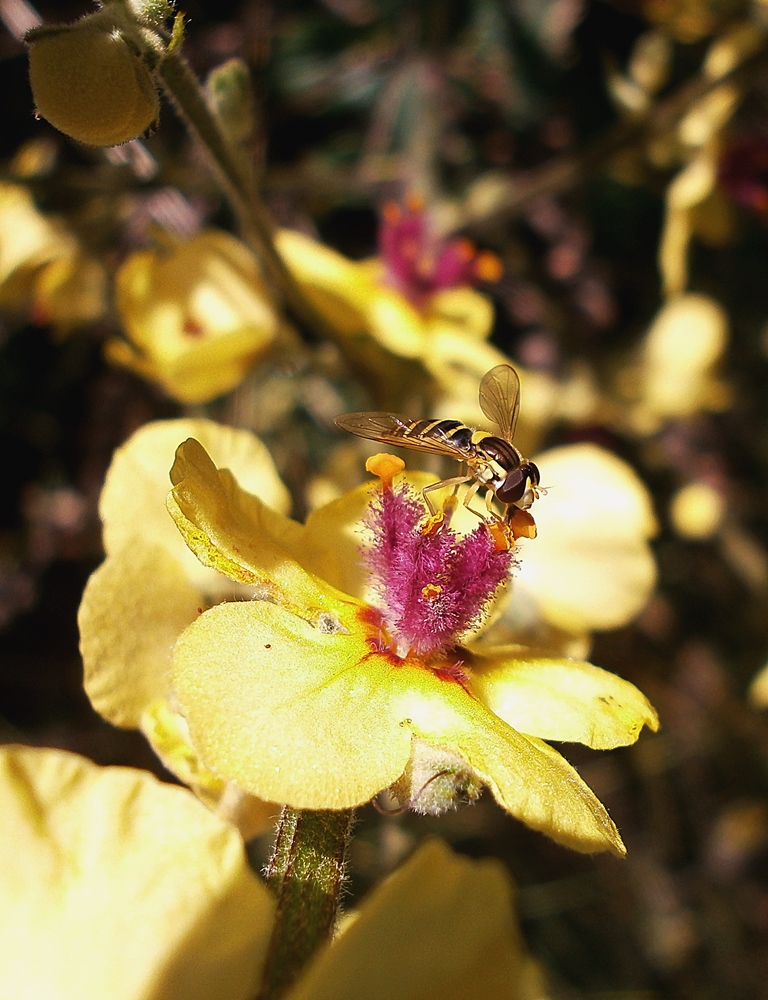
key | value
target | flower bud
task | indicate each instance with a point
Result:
(91, 83)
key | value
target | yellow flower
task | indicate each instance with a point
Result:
(28, 240)
(196, 314)
(150, 587)
(675, 375)
(70, 291)
(590, 566)
(311, 696)
(131, 890)
(117, 885)
(416, 292)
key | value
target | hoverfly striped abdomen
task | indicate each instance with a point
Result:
(451, 433)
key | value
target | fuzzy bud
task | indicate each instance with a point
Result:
(91, 82)
(435, 781)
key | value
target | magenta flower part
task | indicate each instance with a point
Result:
(416, 263)
(433, 586)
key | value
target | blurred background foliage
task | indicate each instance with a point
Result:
(614, 156)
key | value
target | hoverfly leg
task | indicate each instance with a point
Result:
(454, 481)
(470, 496)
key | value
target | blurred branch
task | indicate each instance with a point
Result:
(183, 88)
(562, 173)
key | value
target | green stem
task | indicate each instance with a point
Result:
(306, 873)
(184, 89)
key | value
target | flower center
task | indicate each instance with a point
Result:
(418, 264)
(432, 584)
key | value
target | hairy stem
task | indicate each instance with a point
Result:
(306, 872)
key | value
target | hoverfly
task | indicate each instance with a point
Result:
(492, 460)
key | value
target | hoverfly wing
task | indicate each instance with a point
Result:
(500, 398)
(392, 428)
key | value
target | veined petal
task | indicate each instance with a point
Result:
(133, 608)
(443, 923)
(527, 777)
(291, 713)
(236, 534)
(127, 886)
(561, 699)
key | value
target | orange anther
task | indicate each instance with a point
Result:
(522, 524)
(465, 248)
(488, 267)
(414, 202)
(385, 466)
(503, 538)
(390, 212)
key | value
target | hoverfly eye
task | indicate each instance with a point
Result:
(514, 486)
(533, 473)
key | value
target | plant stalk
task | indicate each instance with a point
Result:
(306, 873)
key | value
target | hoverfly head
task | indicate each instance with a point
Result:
(520, 485)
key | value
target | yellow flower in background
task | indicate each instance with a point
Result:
(28, 240)
(151, 587)
(196, 315)
(117, 885)
(43, 271)
(590, 567)
(70, 291)
(679, 359)
(691, 20)
(417, 291)
(311, 696)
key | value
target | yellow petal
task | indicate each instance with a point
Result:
(396, 324)
(27, 240)
(460, 310)
(70, 291)
(758, 691)
(134, 607)
(210, 368)
(321, 721)
(139, 479)
(686, 340)
(440, 926)
(590, 566)
(198, 312)
(330, 544)
(337, 287)
(527, 777)
(116, 885)
(234, 532)
(565, 700)
(168, 733)
(289, 712)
